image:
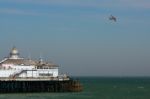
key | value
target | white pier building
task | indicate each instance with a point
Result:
(15, 67)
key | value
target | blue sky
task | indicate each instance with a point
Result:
(78, 36)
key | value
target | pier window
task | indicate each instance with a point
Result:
(45, 74)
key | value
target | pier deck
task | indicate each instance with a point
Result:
(34, 79)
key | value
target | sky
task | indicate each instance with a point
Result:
(78, 36)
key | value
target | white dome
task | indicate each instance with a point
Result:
(14, 54)
(14, 51)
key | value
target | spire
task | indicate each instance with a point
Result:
(41, 59)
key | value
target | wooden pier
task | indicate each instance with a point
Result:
(20, 86)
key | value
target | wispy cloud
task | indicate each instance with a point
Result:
(109, 5)
(17, 12)
(57, 2)
(145, 4)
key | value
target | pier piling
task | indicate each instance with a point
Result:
(39, 86)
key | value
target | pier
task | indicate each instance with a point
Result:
(20, 86)
(18, 75)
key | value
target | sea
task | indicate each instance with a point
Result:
(97, 88)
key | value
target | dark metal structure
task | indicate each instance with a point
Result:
(40, 86)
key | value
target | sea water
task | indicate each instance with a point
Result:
(97, 88)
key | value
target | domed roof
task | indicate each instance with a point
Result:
(14, 59)
(14, 54)
(14, 51)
